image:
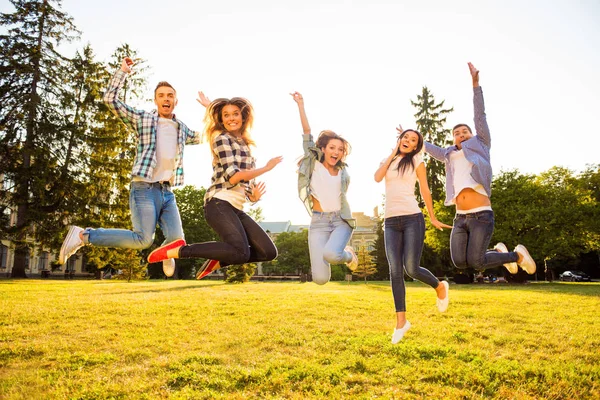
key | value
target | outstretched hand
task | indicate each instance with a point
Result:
(297, 98)
(474, 74)
(202, 99)
(258, 190)
(273, 162)
(439, 225)
(126, 64)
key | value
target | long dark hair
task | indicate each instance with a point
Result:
(407, 160)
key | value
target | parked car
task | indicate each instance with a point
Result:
(574, 276)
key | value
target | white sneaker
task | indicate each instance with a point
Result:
(169, 267)
(442, 304)
(512, 267)
(71, 244)
(352, 264)
(527, 264)
(399, 333)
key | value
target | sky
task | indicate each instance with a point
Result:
(358, 65)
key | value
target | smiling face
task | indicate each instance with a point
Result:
(333, 152)
(460, 134)
(232, 118)
(409, 142)
(165, 99)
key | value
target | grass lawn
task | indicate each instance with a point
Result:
(207, 339)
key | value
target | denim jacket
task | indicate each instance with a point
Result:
(312, 155)
(476, 150)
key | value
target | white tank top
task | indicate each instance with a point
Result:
(400, 189)
(166, 151)
(462, 175)
(326, 188)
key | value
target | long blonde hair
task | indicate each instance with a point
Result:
(213, 119)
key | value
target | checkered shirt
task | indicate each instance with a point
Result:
(232, 155)
(144, 124)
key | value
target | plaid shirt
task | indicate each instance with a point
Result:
(144, 124)
(232, 155)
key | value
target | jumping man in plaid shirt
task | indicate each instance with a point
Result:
(227, 126)
(158, 165)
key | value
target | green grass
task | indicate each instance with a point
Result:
(206, 339)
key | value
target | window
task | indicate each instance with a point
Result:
(27, 256)
(71, 264)
(3, 256)
(43, 261)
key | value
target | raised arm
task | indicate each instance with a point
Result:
(435, 151)
(247, 175)
(127, 114)
(303, 119)
(426, 195)
(481, 125)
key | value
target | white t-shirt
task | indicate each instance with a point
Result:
(462, 169)
(166, 151)
(400, 188)
(326, 188)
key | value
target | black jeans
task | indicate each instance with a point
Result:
(242, 239)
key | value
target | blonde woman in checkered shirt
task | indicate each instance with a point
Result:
(227, 128)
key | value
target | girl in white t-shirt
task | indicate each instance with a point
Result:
(404, 223)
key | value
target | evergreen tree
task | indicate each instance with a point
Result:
(106, 157)
(431, 118)
(366, 267)
(33, 134)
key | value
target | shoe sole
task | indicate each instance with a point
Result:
(512, 267)
(527, 256)
(62, 257)
(169, 271)
(207, 270)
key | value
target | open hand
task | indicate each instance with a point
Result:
(258, 190)
(474, 74)
(273, 162)
(439, 225)
(202, 99)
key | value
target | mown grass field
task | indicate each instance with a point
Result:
(207, 339)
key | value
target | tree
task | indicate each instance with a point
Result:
(293, 255)
(33, 134)
(378, 254)
(431, 118)
(239, 273)
(366, 266)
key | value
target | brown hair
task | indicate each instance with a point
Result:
(326, 136)
(163, 84)
(407, 160)
(213, 119)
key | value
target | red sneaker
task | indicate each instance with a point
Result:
(160, 253)
(208, 267)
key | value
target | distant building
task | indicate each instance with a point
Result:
(38, 259)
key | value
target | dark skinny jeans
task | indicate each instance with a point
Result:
(242, 239)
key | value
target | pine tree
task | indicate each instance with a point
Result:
(431, 118)
(33, 133)
(366, 266)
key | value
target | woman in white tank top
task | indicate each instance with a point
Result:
(322, 185)
(404, 223)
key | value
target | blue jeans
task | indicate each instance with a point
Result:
(471, 235)
(404, 236)
(243, 240)
(149, 203)
(327, 237)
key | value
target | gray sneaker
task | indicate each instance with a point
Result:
(71, 244)
(169, 267)
(512, 267)
(527, 263)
